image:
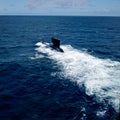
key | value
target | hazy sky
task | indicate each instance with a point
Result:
(60, 7)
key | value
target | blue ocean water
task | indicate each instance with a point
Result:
(38, 83)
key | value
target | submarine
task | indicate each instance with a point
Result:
(56, 45)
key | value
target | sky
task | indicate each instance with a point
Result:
(60, 7)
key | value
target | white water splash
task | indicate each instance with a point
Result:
(101, 77)
(37, 56)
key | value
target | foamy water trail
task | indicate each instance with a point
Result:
(101, 77)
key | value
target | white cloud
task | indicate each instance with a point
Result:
(56, 3)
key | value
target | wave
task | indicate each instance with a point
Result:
(99, 76)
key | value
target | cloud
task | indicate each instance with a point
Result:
(56, 3)
(5, 9)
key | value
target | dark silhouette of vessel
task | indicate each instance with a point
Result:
(56, 45)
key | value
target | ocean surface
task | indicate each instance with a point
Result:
(39, 83)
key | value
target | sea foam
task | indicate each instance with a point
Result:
(101, 77)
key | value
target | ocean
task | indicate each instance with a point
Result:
(39, 83)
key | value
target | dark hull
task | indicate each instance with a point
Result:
(57, 49)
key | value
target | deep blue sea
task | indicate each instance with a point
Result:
(39, 83)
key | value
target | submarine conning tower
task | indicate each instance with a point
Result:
(56, 42)
(56, 45)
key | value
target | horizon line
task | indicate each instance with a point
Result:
(63, 15)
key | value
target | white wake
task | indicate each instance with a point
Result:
(101, 77)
